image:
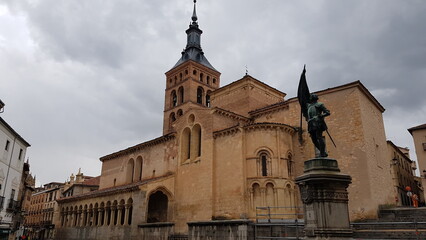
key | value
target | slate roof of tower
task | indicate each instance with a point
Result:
(193, 50)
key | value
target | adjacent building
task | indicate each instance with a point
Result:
(80, 184)
(226, 150)
(42, 209)
(13, 149)
(419, 137)
(27, 187)
(39, 219)
(403, 175)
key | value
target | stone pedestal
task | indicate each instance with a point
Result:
(324, 194)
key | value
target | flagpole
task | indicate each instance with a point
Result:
(300, 129)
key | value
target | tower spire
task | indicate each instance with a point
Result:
(193, 50)
(194, 14)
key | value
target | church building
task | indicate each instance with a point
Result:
(226, 150)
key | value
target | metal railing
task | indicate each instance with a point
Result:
(278, 223)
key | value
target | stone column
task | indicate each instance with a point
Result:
(114, 220)
(120, 213)
(78, 224)
(107, 215)
(323, 191)
(250, 190)
(263, 196)
(126, 215)
(99, 216)
(90, 219)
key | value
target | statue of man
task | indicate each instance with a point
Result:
(316, 124)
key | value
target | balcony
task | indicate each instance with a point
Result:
(12, 206)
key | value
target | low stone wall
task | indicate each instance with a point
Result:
(95, 233)
(153, 231)
(208, 230)
(227, 229)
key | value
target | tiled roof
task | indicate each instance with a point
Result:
(348, 85)
(230, 113)
(235, 128)
(269, 107)
(248, 77)
(139, 147)
(92, 181)
(110, 191)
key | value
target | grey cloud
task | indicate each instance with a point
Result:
(94, 81)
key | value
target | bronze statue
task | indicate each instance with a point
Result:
(314, 113)
(316, 124)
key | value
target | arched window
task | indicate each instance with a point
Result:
(265, 164)
(174, 98)
(157, 207)
(130, 211)
(186, 144)
(138, 169)
(179, 113)
(90, 218)
(96, 215)
(257, 197)
(102, 214)
(115, 212)
(290, 165)
(122, 209)
(208, 80)
(85, 215)
(62, 217)
(75, 213)
(130, 170)
(173, 116)
(196, 141)
(270, 195)
(201, 77)
(200, 93)
(181, 94)
(80, 213)
(108, 213)
(208, 98)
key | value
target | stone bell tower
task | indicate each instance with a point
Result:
(190, 81)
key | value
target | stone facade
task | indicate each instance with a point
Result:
(225, 151)
(12, 156)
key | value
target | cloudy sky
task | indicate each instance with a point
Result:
(82, 79)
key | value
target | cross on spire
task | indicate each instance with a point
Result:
(194, 14)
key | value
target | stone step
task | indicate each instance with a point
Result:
(403, 214)
(389, 226)
(389, 234)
